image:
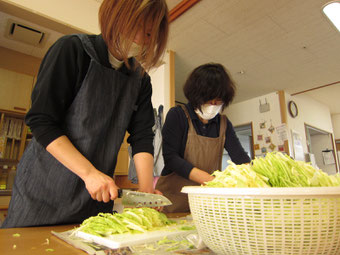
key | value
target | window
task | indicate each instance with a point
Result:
(332, 11)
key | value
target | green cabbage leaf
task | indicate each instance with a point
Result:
(274, 170)
(132, 220)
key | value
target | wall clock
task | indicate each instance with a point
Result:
(293, 109)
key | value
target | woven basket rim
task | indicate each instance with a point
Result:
(265, 192)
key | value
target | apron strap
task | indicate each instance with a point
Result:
(185, 111)
(223, 129)
(191, 126)
(88, 47)
(223, 124)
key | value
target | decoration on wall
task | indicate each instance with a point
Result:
(282, 132)
(281, 148)
(268, 139)
(264, 107)
(256, 146)
(271, 129)
(272, 146)
(260, 137)
(264, 150)
(328, 158)
(263, 125)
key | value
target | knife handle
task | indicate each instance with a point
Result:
(120, 193)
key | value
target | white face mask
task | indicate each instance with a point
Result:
(134, 50)
(209, 111)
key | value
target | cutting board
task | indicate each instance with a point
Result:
(123, 240)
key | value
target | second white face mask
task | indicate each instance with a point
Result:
(134, 50)
(209, 111)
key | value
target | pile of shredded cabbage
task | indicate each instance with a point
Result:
(274, 170)
(132, 220)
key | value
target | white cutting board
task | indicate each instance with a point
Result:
(123, 240)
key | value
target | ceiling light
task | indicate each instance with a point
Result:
(332, 11)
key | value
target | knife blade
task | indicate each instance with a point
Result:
(142, 199)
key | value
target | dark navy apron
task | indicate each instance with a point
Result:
(47, 193)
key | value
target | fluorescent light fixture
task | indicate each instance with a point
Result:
(332, 11)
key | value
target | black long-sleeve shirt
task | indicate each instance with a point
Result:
(175, 133)
(60, 77)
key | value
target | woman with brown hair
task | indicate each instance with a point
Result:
(195, 135)
(90, 90)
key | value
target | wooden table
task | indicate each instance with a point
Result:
(33, 240)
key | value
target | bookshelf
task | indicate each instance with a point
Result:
(13, 134)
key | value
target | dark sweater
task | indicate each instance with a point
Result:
(175, 133)
(60, 77)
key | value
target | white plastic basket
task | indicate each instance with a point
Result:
(267, 220)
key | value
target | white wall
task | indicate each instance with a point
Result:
(311, 112)
(336, 125)
(248, 111)
(160, 80)
(82, 14)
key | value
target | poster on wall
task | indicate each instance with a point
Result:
(282, 132)
(328, 158)
(297, 145)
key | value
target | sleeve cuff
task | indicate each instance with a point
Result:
(142, 148)
(46, 138)
(185, 170)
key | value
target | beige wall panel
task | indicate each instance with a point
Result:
(15, 90)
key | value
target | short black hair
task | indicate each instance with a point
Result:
(207, 82)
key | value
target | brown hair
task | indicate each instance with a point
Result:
(120, 20)
(208, 82)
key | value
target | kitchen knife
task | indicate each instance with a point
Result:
(142, 199)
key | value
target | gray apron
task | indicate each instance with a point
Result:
(202, 152)
(47, 193)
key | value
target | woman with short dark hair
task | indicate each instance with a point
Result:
(90, 90)
(195, 134)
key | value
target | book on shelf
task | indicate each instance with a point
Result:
(3, 142)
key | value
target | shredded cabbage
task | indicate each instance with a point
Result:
(274, 170)
(132, 220)
(240, 176)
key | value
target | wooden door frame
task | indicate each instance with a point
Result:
(333, 144)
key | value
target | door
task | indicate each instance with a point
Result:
(337, 146)
(321, 151)
(245, 135)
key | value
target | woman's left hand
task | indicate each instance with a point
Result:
(150, 190)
